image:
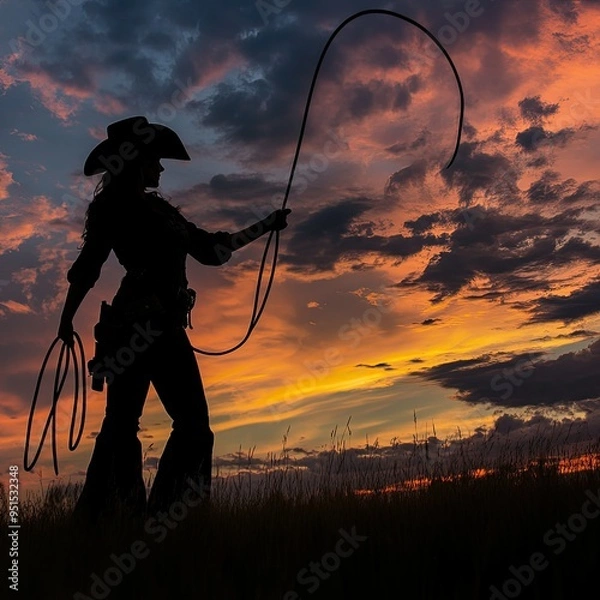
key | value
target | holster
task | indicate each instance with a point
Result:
(108, 333)
(186, 298)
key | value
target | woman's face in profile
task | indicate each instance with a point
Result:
(151, 170)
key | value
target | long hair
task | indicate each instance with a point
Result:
(113, 194)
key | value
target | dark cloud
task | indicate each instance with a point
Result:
(534, 110)
(430, 321)
(531, 138)
(522, 379)
(365, 99)
(565, 9)
(587, 193)
(424, 223)
(485, 296)
(567, 336)
(477, 171)
(413, 174)
(511, 250)
(261, 111)
(534, 137)
(318, 243)
(382, 365)
(574, 44)
(239, 186)
(572, 307)
(317, 240)
(546, 191)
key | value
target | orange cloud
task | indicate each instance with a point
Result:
(15, 307)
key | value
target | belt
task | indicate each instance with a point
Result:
(150, 306)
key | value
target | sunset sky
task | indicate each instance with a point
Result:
(402, 287)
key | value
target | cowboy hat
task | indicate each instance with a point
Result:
(133, 138)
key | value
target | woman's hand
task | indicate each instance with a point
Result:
(65, 332)
(274, 222)
(277, 220)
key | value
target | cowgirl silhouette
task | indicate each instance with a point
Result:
(144, 328)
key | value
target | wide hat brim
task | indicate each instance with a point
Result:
(131, 139)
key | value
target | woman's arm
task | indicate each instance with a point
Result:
(276, 221)
(82, 277)
(216, 248)
(75, 295)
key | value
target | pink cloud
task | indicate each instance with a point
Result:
(6, 178)
(27, 279)
(23, 221)
(14, 307)
(6, 79)
(26, 137)
(107, 105)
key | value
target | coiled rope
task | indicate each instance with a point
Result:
(51, 420)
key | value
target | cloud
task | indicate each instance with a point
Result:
(535, 137)
(521, 379)
(6, 177)
(242, 187)
(572, 44)
(336, 231)
(365, 99)
(425, 222)
(11, 306)
(413, 174)
(533, 109)
(565, 9)
(477, 171)
(548, 189)
(21, 222)
(566, 336)
(382, 365)
(26, 137)
(509, 250)
(545, 190)
(430, 321)
(572, 307)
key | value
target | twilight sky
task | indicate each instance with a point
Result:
(460, 294)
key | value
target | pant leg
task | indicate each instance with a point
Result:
(188, 452)
(115, 472)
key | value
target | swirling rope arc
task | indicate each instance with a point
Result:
(256, 311)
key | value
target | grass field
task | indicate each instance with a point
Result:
(425, 525)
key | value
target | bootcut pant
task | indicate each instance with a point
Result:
(114, 474)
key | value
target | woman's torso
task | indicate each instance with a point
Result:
(149, 238)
